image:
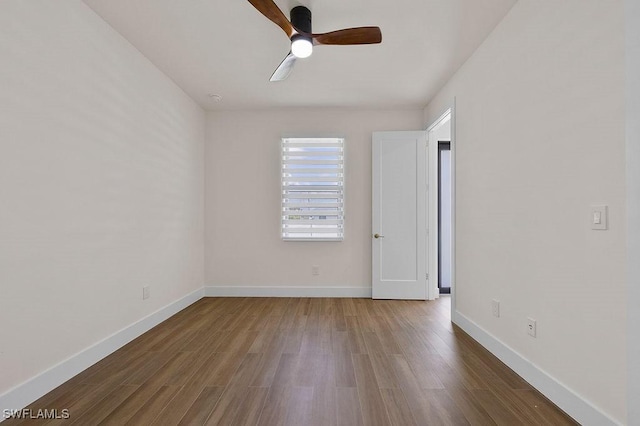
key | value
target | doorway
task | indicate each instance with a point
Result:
(444, 217)
(407, 253)
(441, 203)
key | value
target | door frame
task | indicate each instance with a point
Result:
(432, 291)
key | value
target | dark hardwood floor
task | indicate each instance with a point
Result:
(285, 361)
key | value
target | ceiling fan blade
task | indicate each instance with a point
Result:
(269, 9)
(360, 35)
(284, 69)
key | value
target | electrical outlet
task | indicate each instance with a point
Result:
(315, 270)
(531, 327)
(495, 308)
(146, 292)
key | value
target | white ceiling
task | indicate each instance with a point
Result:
(228, 48)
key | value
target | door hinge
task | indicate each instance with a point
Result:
(427, 276)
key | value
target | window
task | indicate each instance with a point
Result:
(313, 189)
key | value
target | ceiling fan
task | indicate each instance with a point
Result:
(298, 29)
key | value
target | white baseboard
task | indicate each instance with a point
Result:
(29, 391)
(577, 407)
(285, 291)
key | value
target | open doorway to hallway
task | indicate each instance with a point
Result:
(441, 202)
(444, 217)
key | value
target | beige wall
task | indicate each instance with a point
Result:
(632, 91)
(101, 186)
(243, 244)
(540, 137)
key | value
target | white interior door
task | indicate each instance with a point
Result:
(399, 234)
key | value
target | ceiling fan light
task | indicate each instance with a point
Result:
(301, 46)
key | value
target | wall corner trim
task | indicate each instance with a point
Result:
(577, 407)
(287, 291)
(34, 388)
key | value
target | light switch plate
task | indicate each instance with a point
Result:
(599, 217)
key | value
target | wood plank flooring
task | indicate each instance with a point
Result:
(288, 361)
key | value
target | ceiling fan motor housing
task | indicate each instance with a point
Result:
(301, 19)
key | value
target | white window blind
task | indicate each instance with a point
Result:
(313, 189)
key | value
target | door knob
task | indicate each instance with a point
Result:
(378, 236)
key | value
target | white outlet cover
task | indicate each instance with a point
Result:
(532, 327)
(495, 308)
